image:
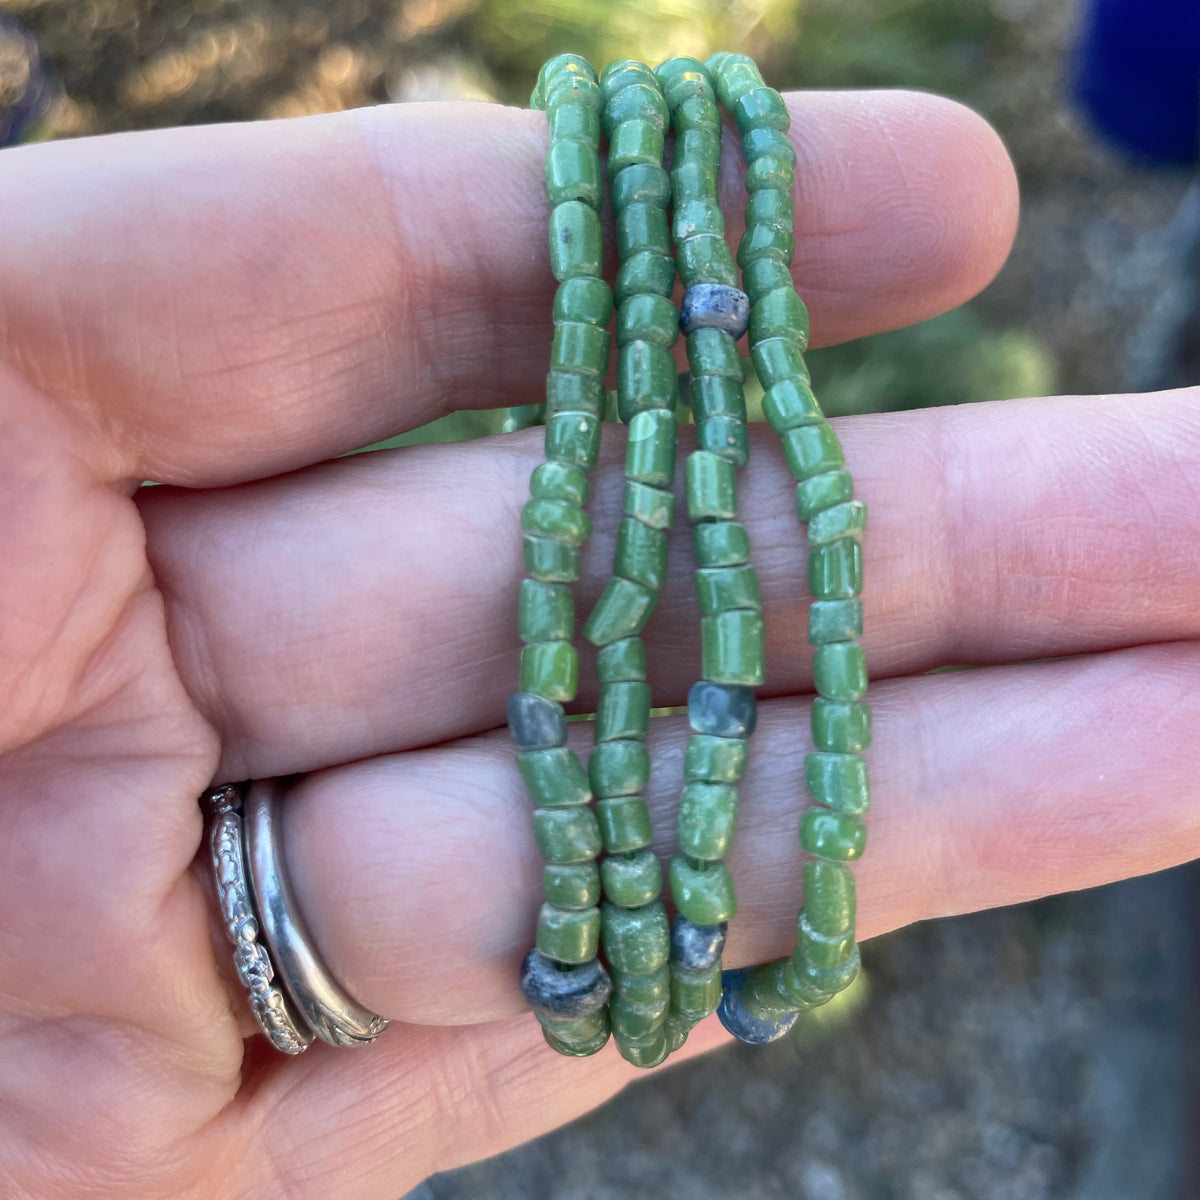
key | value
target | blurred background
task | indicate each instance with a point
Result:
(1041, 1051)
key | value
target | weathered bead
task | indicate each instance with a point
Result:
(649, 988)
(768, 241)
(649, 318)
(776, 359)
(770, 171)
(693, 179)
(571, 885)
(840, 671)
(720, 544)
(641, 553)
(649, 271)
(696, 947)
(820, 949)
(765, 274)
(829, 897)
(731, 647)
(575, 992)
(721, 710)
(635, 1022)
(696, 216)
(789, 404)
(622, 662)
(573, 173)
(714, 306)
(829, 834)
(703, 892)
(636, 102)
(811, 450)
(568, 392)
(619, 768)
(584, 299)
(622, 73)
(642, 183)
(535, 723)
(705, 258)
(711, 487)
(566, 935)
(647, 379)
(623, 711)
(580, 1038)
(574, 121)
(642, 227)
(631, 880)
(744, 1024)
(622, 611)
(624, 823)
(710, 759)
(566, 835)
(838, 780)
(550, 670)
(545, 612)
(717, 396)
(651, 1052)
(558, 519)
(760, 143)
(733, 76)
(695, 993)
(771, 207)
(636, 940)
(760, 108)
(551, 561)
(650, 449)
(580, 348)
(699, 112)
(829, 979)
(727, 437)
(819, 492)
(697, 145)
(571, 88)
(835, 570)
(713, 352)
(848, 519)
(840, 727)
(634, 142)
(576, 242)
(834, 620)
(650, 505)
(773, 991)
(559, 481)
(719, 589)
(573, 437)
(707, 817)
(780, 313)
(554, 776)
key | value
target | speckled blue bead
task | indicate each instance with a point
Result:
(576, 991)
(535, 723)
(697, 947)
(737, 1020)
(722, 709)
(714, 306)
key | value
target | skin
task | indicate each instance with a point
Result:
(224, 311)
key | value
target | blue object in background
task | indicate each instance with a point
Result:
(32, 88)
(1137, 75)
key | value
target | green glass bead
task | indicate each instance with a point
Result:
(731, 648)
(625, 72)
(769, 992)
(696, 216)
(766, 241)
(771, 207)
(649, 318)
(840, 671)
(558, 481)
(573, 173)
(682, 77)
(550, 670)
(545, 612)
(720, 589)
(641, 554)
(650, 505)
(634, 1022)
(641, 228)
(650, 449)
(558, 519)
(835, 570)
(819, 492)
(707, 817)
(566, 835)
(634, 142)
(568, 392)
(699, 111)
(624, 823)
(789, 404)
(573, 437)
(574, 121)
(647, 378)
(717, 396)
(650, 989)
(697, 145)
(643, 183)
(780, 313)
(573, 886)
(838, 781)
(623, 609)
(757, 143)
(834, 620)
(631, 880)
(695, 993)
(580, 348)
(705, 258)
(568, 935)
(693, 180)
(734, 75)
(848, 519)
(637, 941)
(727, 437)
(761, 108)
(576, 243)
(555, 777)
(720, 544)
(551, 561)
(811, 449)
(714, 352)
(843, 727)
(710, 759)
(618, 768)
(622, 662)
(585, 300)
(703, 892)
(573, 90)
(636, 102)
(711, 487)
(765, 274)
(579, 1044)
(623, 711)
(829, 897)
(770, 171)
(646, 1054)
(829, 979)
(776, 359)
(642, 273)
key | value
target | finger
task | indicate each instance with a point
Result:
(997, 533)
(419, 876)
(226, 303)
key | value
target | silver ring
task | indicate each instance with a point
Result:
(271, 1007)
(333, 1015)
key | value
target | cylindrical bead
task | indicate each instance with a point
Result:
(567, 391)
(650, 450)
(720, 544)
(622, 611)
(821, 949)
(720, 589)
(713, 352)
(648, 271)
(622, 662)
(551, 561)
(623, 711)
(573, 173)
(559, 481)
(641, 554)
(707, 817)
(566, 835)
(829, 896)
(646, 379)
(584, 299)
(722, 710)
(573, 437)
(624, 823)
(618, 768)
(711, 487)
(648, 318)
(703, 892)
(822, 491)
(838, 780)
(840, 670)
(829, 834)
(555, 777)
(711, 759)
(568, 935)
(731, 647)
(631, 880)
(651, 505)
(576, 242)
(835, 620)
(840, 727)
(550, 670)
(545, 612)
(571, 885)
(636, 940)
(835, 570)
(641, 228)
(535, 723)
(558, 519)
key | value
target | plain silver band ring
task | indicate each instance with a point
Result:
(333, 1015)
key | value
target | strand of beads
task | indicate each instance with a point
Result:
(635, 932)
(562, 978)
(721, 707)
(761, 1004)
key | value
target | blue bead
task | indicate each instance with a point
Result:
(576, 991)
(722, 709)
(746, 1028)
(536, 723)
(694, 946)
(714, 306)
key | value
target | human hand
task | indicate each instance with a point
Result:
(214, 308)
